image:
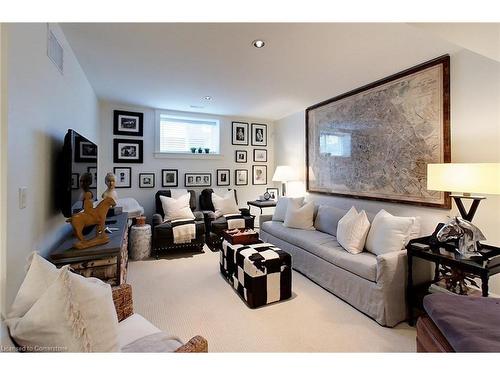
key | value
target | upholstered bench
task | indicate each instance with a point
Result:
(261, 273)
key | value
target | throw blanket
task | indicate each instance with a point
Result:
(184, 230)
(235, 221)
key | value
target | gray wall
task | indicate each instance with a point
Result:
(475, 137)
(42, 105)
(151, 164)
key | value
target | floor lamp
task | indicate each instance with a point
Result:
(467, 178)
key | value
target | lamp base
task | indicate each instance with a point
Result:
(461, 208)
(283, 188)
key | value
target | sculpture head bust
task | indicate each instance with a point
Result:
(110, 181)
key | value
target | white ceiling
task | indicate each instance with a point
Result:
(173, 66)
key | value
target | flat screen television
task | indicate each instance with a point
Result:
(79, 170)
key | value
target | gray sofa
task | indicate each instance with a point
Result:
(375, 285)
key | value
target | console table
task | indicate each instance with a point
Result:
(107, 262)
(486, 265)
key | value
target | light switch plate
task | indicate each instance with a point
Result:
(23, 197)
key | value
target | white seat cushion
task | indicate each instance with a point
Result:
(134, 328)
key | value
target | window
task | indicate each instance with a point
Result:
(335, 144)
(181, 134)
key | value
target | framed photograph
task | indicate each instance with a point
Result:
(240, 133)
(127, 123)
(123, 177)
(85, 151)
(259, 135)
(75, 181)
(384, 155)
(274, 193)
(259, 175)
(146, 180)
(197, 179)
(241, 156)
(260, 155)
(223, 177)
(169, 177)
(127, 150)
(93, 172)
(241, 177)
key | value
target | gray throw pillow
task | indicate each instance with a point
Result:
(282, 205)
(328, 218)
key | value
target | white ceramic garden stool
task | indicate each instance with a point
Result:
(140, 242)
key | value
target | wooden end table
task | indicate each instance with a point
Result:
(486, 265)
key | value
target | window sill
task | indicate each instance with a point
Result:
(165, 155)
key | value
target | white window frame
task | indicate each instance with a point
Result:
(184, 116)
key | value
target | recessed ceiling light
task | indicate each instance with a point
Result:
(208, 97)
(258, 43)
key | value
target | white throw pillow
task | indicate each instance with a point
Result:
(176, 209)
(226, 204)
(41, 274)
(352, 230)
(74, 314)
(390, 233)
(299, 217)
(281, 207)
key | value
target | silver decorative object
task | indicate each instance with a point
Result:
(467, 234)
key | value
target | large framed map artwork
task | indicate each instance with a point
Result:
(375, 142)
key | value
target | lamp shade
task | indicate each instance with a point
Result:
(480, 178)
(284, 173)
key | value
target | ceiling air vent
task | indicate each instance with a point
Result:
(55, 51)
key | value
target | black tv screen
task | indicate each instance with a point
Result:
(79, 164)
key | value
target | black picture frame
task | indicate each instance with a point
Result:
(194, 176)
(255, 158)
(164, 183)
(276, 192)
(237, 154)
(219, 179)
(127, 118)
(85, 151)
(254, 174)
(141, 182)
(235, 133)
(236, 180)
(117, 172)
(255, 141)
(120, 143)
(75, 181)
(93, 172)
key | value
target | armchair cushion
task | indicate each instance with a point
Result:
(176, 208)
(225, 205)
(160, 342)
(168, 193)
(134, 328)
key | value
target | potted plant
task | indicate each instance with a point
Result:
(207, 150)
(200, 150)
(193, 149)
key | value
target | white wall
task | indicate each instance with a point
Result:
(154, 165)
(42, 105)
(3, 173)
(475, 137)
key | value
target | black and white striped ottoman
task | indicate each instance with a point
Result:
(261, 273)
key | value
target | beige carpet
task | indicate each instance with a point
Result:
(186, 296)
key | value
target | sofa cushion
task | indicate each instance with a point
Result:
(134, 328)
(326, 247)
(299, 237)
(363, 264)
(282, 205)
(328, 218)
(300, 217)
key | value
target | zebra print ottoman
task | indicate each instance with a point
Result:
(261, 273)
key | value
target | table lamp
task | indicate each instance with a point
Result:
(283, 174)
(466, 178)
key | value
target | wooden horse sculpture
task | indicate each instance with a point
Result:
(91, 216)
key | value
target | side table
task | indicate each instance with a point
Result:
(261, 204)
(484, 266)
(140, 242)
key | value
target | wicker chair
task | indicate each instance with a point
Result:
(163, 238)
(122, 298)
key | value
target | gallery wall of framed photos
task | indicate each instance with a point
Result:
(127, 142)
